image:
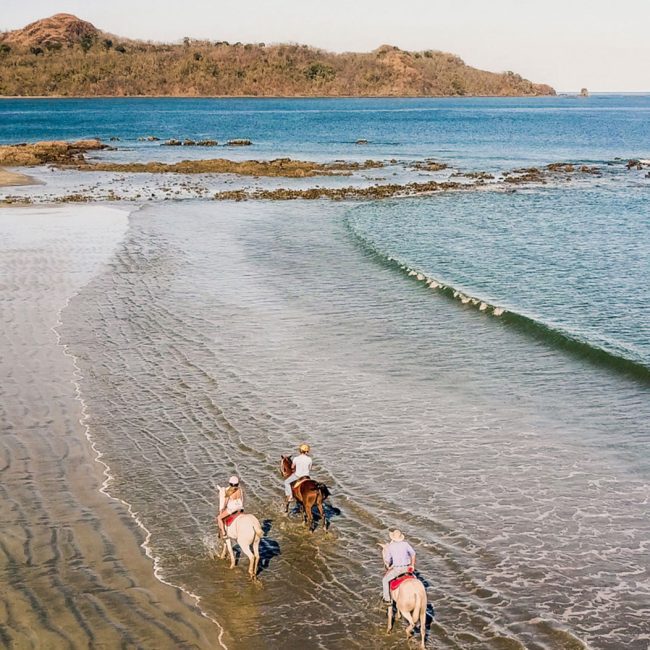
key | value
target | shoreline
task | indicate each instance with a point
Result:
(284, 96)
(98, 547)
(16, 179)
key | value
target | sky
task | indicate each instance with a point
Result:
(602, 45)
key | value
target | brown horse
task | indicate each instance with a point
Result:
(307, 492)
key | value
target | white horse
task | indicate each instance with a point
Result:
(410, 599)
(247, 532)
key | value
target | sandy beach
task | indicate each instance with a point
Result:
(10, 179)
(74, 570)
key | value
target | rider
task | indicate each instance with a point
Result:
(234, 503)
(399, 558)
(300, 468)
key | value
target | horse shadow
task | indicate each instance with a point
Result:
(269, 548)
(329, 511)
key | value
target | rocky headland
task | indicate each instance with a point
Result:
(66, 56)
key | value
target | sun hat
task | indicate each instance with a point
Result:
(304, 447)
(233, 480)
(396, 535)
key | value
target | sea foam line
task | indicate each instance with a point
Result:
(431, 282)
(77, 377)
(550, 333)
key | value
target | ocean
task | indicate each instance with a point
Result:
(471, 367)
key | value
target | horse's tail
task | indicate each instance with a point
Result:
(323, 489)
(259, 533)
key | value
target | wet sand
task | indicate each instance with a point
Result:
(11, 179)
(73, 568)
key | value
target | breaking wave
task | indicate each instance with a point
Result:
(548, 333)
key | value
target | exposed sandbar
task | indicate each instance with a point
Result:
(10, 179)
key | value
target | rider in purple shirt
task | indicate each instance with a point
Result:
(398, 557)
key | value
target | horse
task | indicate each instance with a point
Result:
(410, 598)
(247, 532)
(307, 492)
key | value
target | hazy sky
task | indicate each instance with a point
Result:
(603, 45)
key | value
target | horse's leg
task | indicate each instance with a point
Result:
(256, 554)
(321, 510)
(246, 550)
(310, 502)
(423, 625)
(230, 551)
(224, 548)
(389, 627)
(411, 625)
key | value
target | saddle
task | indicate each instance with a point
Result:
(396, 582)
(298, 482)
(230, 518)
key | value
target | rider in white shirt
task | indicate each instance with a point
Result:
(300, 468)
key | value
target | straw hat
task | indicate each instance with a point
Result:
(304, 448)
(396, 535)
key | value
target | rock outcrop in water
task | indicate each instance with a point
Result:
(42, 153)
(66, 56)
(284, 167)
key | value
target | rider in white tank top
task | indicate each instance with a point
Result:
(234, 503)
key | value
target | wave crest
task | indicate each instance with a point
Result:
(548, 333)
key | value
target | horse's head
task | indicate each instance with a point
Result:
(222, 497)
(285, 466)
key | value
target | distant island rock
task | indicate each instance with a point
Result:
(65, 56)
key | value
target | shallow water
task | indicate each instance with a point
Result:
(223, 335)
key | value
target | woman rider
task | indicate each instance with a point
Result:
(234, 503)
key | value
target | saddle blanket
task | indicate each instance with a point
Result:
(395, 583)
(228, 520)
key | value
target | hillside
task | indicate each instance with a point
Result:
(65, 56)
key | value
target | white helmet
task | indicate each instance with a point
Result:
(233, 480)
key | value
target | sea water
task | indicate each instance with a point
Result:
(509, 443)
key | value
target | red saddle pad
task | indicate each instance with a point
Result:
(399, 580)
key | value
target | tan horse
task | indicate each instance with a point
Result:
(410, 600)
(307, 492)
(247, 532)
